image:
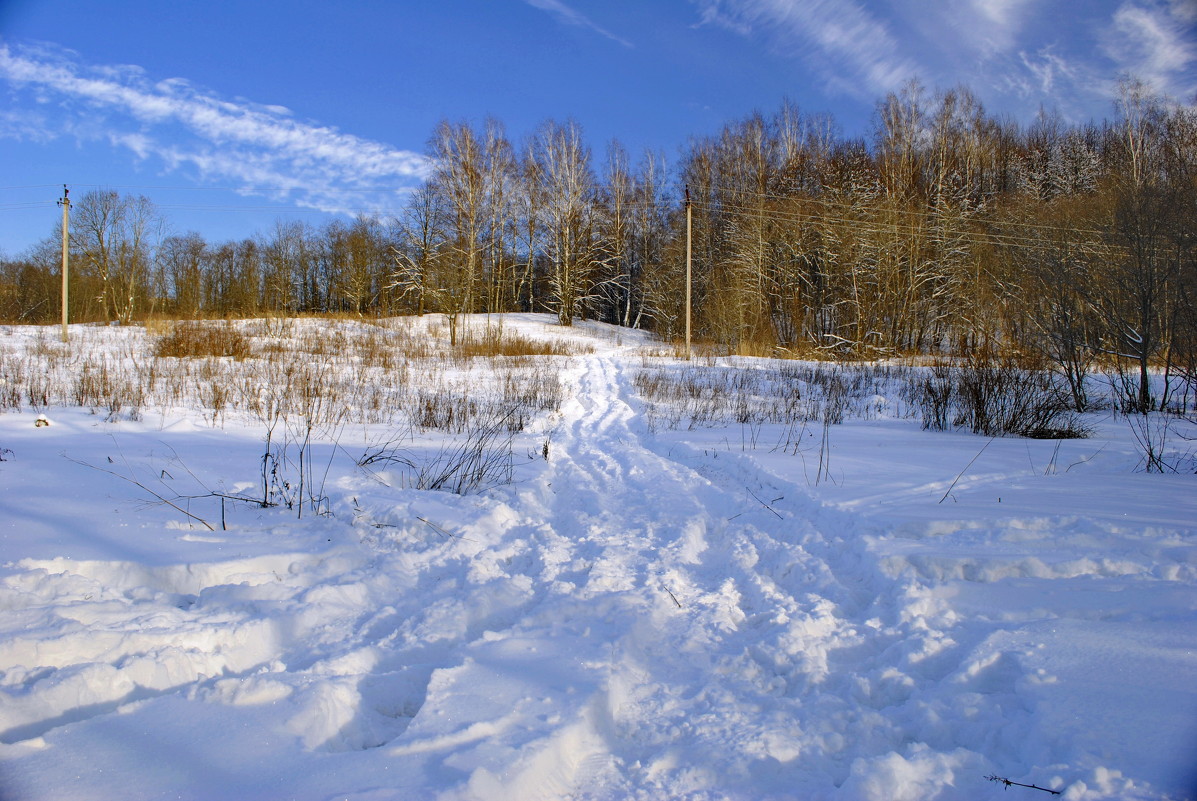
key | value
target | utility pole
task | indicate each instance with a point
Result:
(688, 258)
(66, 209)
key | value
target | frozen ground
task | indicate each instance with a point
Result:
(646, 613)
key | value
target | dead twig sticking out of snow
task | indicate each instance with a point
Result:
(441, 531)
(1010, 784)
(144, 488)
(1086, 459)
(767, 506)
(965, 470)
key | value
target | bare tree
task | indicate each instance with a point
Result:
(116, 237)
(459, 177)
(500, 177)
(1047, 297)
(184, 259)
(421, 246)
(650, 273)
(1147, 233)
(289, 262)
(616, 199)
(563, 164)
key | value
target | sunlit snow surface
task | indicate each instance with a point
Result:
(644, 614)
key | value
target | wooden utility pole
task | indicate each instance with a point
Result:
(688, 255)
(66, 209)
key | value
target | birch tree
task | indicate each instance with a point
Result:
(563, 164)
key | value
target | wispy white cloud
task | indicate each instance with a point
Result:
(1050, 73)
(987, 27)
(842, 40)
(1007, 15)
(1156, 42)
(571, 16)
(261, 148)
(1017, 55)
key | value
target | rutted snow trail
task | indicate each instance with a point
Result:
(682, 641)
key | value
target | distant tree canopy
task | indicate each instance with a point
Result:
(946, 231)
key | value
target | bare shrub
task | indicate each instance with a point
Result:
(480, 458)
(1001, 396)
(935, 396)
(1156, 434)
(996, 394)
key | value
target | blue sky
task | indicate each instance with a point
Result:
(230, 114)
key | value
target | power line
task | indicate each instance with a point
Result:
(920, 222)
(846, 205)
(909, 221)
(881, 226)
(916, 214)
(32, 204)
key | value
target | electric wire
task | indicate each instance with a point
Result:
(919, 221)
(820, 200)
(921, 225)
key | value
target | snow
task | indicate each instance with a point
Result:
(649, 612)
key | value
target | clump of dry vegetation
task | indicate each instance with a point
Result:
(493, 342)
(196, 340)
(755, 392)
(995, 394)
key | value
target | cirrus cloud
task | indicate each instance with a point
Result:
(262, 149)
(843, 40)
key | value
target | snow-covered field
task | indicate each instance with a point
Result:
(644, 612)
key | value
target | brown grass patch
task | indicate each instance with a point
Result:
(198, 340)
(494, 341)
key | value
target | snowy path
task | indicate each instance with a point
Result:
(639, 616)
(683, 635)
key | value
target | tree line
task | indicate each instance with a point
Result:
(949, 230)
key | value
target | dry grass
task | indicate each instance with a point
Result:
(493, 342)
(742, 389)
(188, 340)
(302, 381)
(400, 371)
(989, 394)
